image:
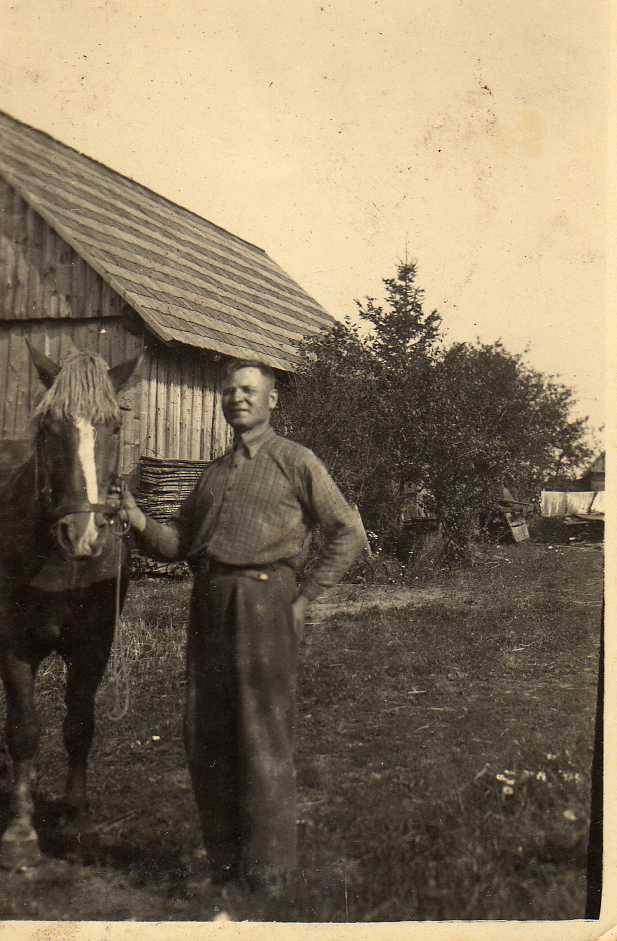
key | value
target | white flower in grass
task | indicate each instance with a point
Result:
(509, 781)
(569, 815)
(507, 791)
(541, 776)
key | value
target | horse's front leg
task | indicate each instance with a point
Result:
(85, 669)
(19, 844)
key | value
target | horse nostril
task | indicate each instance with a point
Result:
(64, 534)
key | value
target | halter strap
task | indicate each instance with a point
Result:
(66, 509)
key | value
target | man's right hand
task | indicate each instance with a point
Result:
(136, 518)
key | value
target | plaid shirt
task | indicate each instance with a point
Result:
(257, 505)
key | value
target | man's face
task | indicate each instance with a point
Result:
(248, 398)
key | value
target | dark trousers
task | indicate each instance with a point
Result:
(240, 718)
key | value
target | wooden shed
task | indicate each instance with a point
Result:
(594, 477)
(92, 260)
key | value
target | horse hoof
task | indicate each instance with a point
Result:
(77, 824)
(19, 849)
(80, 837)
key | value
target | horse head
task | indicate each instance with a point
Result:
(77, 448)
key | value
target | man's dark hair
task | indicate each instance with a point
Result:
(235, 364)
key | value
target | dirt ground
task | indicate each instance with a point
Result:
(365, 718)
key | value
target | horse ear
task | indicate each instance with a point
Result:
(121, 373)
(46, 368)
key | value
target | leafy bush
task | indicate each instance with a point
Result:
(392, 408)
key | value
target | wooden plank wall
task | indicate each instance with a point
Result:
(182, 405)
(20, 387)
(49, 294)
(173, 408)
(40, 275)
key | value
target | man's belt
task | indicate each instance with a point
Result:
(260, 573)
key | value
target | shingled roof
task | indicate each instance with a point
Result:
(190, 281)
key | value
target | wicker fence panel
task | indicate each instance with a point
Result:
(162, 487)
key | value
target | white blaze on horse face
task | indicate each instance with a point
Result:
(85, 453)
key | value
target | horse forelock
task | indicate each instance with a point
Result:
(82, 389)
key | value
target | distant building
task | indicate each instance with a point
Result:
(594, 476)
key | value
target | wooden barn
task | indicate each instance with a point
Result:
(91, 260)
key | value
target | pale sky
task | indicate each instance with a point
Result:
(336, 135)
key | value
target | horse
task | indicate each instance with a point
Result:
(63, 577)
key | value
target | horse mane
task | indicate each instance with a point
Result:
(82, 389)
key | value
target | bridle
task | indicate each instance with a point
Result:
(111, 509)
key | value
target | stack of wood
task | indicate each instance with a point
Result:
(162, 486)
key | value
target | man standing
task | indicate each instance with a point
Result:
(245, 530)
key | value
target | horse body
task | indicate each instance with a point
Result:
(59, 566)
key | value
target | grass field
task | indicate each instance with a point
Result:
(444, 751)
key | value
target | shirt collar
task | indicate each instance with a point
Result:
(254, 439)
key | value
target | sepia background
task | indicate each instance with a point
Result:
(340, 137)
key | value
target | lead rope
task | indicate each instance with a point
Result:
(118, 660)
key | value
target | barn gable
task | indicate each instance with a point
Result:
(41, 276)
(191, 282)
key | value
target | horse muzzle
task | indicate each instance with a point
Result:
(82, 535)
